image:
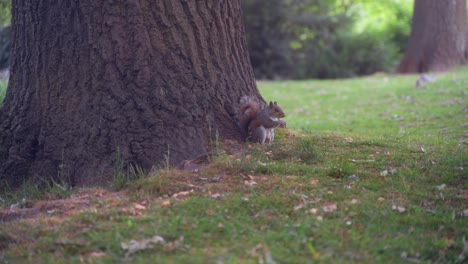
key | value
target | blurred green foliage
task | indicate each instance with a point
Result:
(5, 33)
(301, 39)
(389, 20)
(5, 14)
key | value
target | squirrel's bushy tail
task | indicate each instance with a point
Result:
(248, 108)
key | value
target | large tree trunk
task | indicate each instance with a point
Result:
(438, 39)
(146, 80)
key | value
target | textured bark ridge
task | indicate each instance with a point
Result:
(146, 80)
(438, 39)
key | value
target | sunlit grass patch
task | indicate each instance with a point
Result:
(380, 106)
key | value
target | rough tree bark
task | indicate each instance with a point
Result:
(438, 39)
(144, 79)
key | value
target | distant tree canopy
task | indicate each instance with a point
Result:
(325, 38)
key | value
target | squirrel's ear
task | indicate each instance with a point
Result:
(271, 103)
(275, 103)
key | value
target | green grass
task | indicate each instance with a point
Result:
(328, 190)
(378, 106)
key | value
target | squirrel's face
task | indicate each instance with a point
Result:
(277, 112)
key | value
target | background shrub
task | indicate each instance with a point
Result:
(266, 24)
(5, 14)
(5, 33)
(298, 39)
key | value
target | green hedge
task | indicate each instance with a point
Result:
(299, 39)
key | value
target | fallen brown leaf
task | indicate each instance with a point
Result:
(209, 212)
(166, 203)
(175, 195)
(97, 254)
(139, 206)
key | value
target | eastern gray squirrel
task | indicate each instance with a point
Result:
(259, 120)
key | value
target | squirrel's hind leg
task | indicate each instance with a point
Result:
(259, 135)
